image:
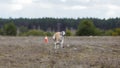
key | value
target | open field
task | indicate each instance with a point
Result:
(78, 52)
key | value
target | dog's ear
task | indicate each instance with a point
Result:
(63, 33)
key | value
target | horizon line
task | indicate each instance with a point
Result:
(56, 17)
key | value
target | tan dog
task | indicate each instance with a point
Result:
(58, 37)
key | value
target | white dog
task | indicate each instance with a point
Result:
(58, 37)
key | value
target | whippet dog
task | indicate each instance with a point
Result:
(58, 38)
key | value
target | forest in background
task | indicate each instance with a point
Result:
(59, 24)
(63, 23)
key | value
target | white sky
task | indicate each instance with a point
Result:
(59, 8)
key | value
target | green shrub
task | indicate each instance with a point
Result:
(34, 33)
(68, 32)
(117, 30)
(1, 32)
(114, 34)
(108, 32)
(48, 33)
(10, 29)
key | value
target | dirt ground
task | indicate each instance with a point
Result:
(78, 52)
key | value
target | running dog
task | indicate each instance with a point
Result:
(58, 38)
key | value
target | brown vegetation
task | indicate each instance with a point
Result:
(78, 52)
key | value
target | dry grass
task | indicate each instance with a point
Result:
(78, 52)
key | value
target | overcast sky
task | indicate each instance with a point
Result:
(59, 8)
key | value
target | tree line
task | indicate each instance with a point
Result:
(55, 24)
(36, 26)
